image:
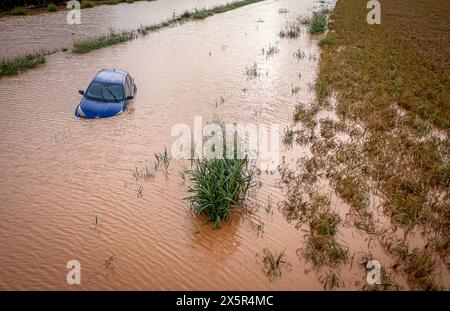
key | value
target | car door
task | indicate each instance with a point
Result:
(128, 90)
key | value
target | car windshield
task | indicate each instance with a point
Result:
(106, 92)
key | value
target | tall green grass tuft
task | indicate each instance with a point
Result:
(318, 23)
(9, 67)
(86, 4)
(200, 14)
(220, 185)
(88, 45)
(112, 2)
(19, 10)
(52, 7)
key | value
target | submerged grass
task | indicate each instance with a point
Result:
(9, 67)
(19, 10)
(86, 4)
(395, 84)
(218, 186)
(88, 45)
(274, 262)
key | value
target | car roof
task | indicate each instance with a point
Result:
(110, 75)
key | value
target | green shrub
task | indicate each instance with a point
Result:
(19, 10)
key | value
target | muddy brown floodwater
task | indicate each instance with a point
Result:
(67, 188)
(50, 31)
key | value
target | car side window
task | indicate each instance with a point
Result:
(127, 86)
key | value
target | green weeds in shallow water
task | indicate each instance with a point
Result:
(252, 71)
(218, 186)
(274, 263)
(51, 7)
(318, 23)
(164, 160)
(9, 67)
(112, 2)
(19, 10)
(291, 30)
(88, 45)
(86, 4)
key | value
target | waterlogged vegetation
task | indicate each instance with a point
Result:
(274, 263)
(9, 67)
(88, 45)
(52, 7)
(218, 186)
(19, 10)
(86, 4)
(383, 140)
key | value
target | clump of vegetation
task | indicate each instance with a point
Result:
(163, 159)
(130, 1)
(325, 41)
(88, 45)
(318, 23)
(9, 67)
(288, 137)
(86, 4)
(51, 7)
(299, 54)
(218, 186)
(252, 71)
(291, 30)
(19, 10)
(306, 115)
(200, 14)
(274, 262)
(283, 11)
(112, 2)
(231, 6)
(271, 50)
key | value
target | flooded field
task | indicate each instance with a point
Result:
(67, 187)
(50, 31)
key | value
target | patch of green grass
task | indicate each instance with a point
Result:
(86, 4)
(130, 1)
(112, 2)
(88, 45)
(318, 23)
(218, 186)
(19, 10)
(52, 7)
(231, 6)
(325, 41)
(200, 14)
(9, 67)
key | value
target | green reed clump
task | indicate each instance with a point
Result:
(19, 10)
(200, 14)
(88, 45)
(112, 2)
(220, 185)
(318, 23)
(86, 4)
(9, 67)
(51, 7)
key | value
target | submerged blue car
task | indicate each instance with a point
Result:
(109, 94)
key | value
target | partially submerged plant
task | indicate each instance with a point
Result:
(163, 159)
(252, 71)
(274, 262)
(220, 184)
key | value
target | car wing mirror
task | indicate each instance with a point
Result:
(81, 92)
(130, 97)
